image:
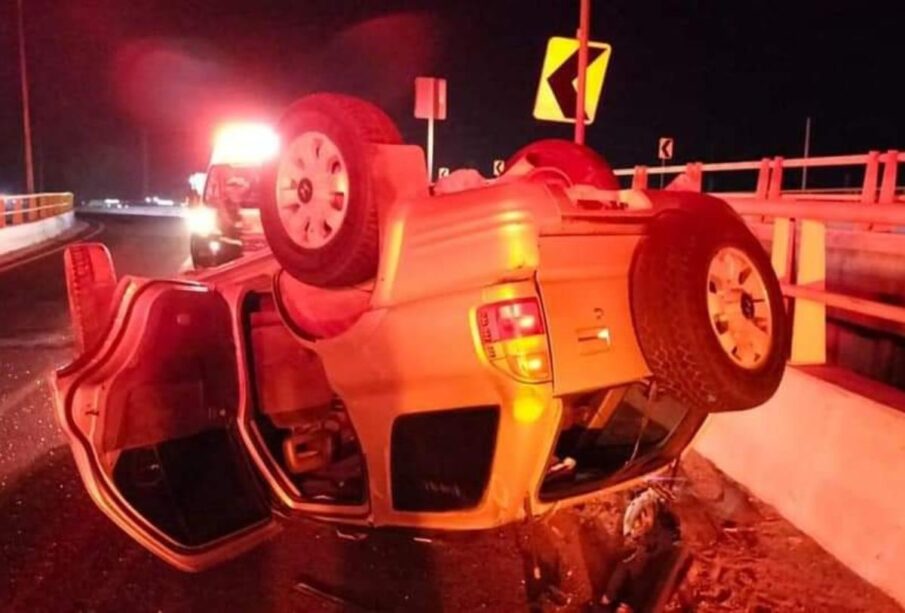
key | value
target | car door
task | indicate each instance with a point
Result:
(150, 412)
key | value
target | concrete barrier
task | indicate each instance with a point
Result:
(829, 460)
(13, 238)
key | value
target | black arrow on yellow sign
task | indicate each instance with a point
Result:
(562, 81)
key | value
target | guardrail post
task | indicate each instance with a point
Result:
(17, 211)
(809, 316)
(890, 174)
(639, 178)
(775, 188)
(871, 170)
(763, 179)
(782, 249)
(695, 171)
(2, 212)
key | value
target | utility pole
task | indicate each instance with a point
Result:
(26, 106)
(584, 20)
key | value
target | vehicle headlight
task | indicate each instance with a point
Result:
(201, 221)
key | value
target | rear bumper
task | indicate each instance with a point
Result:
(449, 486)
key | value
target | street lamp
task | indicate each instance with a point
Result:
(26, 111)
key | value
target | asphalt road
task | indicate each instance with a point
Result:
(59, 553)
(35, 335)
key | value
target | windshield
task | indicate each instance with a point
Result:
(233, 186)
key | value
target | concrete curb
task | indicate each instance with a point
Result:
(80, 230)
(831, 462)
(17, 237)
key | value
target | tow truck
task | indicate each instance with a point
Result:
(446, 357)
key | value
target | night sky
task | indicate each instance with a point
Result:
(729, 79)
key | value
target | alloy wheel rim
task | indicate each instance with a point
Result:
(738, 308)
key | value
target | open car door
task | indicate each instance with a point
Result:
(150, 413)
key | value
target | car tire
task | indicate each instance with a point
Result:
(708, 311)
(577, 163)
(318, 208)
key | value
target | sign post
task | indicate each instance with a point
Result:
(584, 20)
(664, 152)
(430, 104)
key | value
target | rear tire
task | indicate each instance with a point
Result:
(708, 312)
(318, 209)
(554, 158)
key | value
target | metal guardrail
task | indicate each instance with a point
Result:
(876, 187)
(799, 226)
(20, 209)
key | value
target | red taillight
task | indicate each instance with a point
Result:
(514, 338)
(504, 321)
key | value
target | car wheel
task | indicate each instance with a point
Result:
(555, 158)
(318, 208)
(708, 312)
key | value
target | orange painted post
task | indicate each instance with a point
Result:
(763, 179)
(782, 249)
(890, 172)
(2, 212)
(17, 211)
(871, 171)
(809, 318)
(775, 188)
(639, 179)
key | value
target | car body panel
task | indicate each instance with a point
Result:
(584, 281)
(475, 239)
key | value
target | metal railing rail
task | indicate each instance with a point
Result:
(878, 185)
(801, 265)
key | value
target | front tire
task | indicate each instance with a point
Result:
(565, 161)
(318, 209)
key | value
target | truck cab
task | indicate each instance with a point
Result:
(226, 222)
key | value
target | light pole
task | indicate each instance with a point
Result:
(807, 152)
(26, 110)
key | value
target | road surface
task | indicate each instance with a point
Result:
(58, 553)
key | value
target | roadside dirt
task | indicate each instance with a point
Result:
(735, 554)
